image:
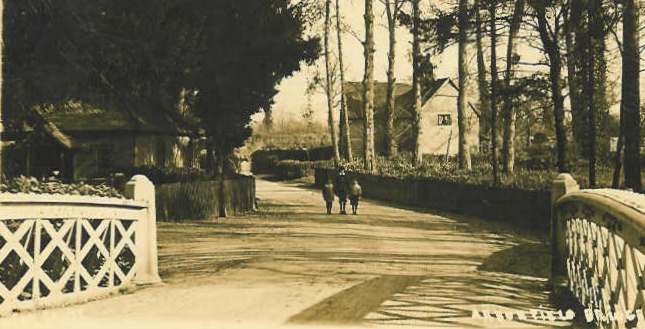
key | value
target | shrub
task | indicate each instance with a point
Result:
(23, 184)
(267, 160)
(165, 175)
(532, 176)
(293, 169)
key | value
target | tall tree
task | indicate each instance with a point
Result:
(329, 83)
(345, 134)
(594, 33)
(573, 28)
(392, 8)
(462, 119)
(2, 89)
(368, 89)
(508, 147)
(493, 89)
(482, 81)
(549, 35)
(416, 80)
(630, 109)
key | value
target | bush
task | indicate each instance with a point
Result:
(293, 169)
(165, 175)
(31, 185)
(537, 175)
(537, 156)
(266, 161)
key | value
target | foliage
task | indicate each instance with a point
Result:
(293, 169)
(436, 168)
(240, 81)
(265, 161)
(196, 200)
(290, 134)
(31, 185)
(140, 56)
(165, 175)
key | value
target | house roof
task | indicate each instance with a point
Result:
(64, 122)
(80, 117)
(403, 100)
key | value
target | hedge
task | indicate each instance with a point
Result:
(197, 200)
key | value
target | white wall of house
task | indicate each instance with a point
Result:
(440, 130)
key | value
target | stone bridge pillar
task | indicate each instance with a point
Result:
(140, 188)
(561, 186)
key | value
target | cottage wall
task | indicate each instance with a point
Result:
(435, 139)
(438, 139)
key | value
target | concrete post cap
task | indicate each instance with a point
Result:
(140, 179)
(565, 176)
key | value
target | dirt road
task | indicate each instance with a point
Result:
(290, 264)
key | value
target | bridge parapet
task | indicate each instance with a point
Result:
(598, 241)
(63, 249)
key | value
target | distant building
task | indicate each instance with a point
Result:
(85, 143)
(440, 132)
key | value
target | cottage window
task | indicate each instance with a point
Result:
(444, 120)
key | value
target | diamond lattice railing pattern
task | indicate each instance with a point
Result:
(600, 240)
(67, 249)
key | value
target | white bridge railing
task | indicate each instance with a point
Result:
(598, 241)
(60, 249)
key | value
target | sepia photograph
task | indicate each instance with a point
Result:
(315, 164)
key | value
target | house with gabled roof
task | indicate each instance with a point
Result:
(83, 142)
(439, 126)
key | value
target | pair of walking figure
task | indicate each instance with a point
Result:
(343, 189)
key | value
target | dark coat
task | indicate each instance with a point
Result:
(328, 192)
(341, 186)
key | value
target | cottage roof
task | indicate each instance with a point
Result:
(404, 99)
(75, 117)
(65, 122)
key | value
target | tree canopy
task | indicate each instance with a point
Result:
(139, 56)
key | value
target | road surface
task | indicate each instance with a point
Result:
(291, 265)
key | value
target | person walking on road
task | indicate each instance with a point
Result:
(340, 188)
(328, 195)
(355, 193)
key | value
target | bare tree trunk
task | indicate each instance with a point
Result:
(493, 90)
(572, 28)
(368, 90)
(416, 80)
(481, 74)
(222, 187)
(552, 49)
(630, 116)
(590, 87)
(391, 148)
(462, 120)
(345, 134)
(508, 147)
(2, 89)
(328, 85)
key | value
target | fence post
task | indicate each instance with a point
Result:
(561, 186)
(140, 188)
